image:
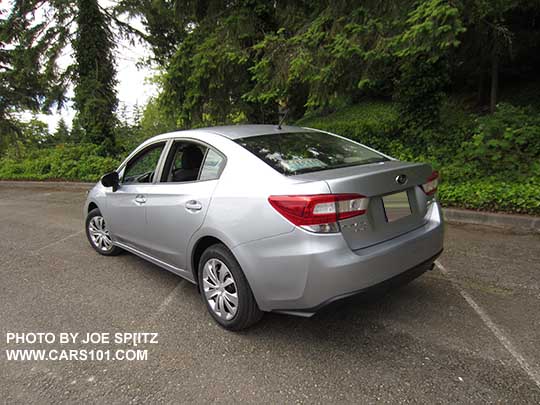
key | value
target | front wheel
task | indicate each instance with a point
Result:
(225, 290)
(98, 234)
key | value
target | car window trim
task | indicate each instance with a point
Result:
(121, 169)
(197, 141)
(162, 160)
(202, 164)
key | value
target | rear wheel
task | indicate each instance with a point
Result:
(99, 235)
(225, 290)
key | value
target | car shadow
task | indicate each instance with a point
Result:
(365, 315)
(361, 315)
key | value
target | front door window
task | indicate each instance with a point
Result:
(142, 168)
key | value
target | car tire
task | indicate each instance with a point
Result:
(98, 234)
(220, 275)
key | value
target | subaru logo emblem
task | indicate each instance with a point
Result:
(401, 179)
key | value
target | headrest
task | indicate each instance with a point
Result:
(192, 158)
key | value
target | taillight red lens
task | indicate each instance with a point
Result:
(430, 186)
(306, 210)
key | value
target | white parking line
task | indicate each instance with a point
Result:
(163, 306)
(531, 371)
(36, 251)
(56, 242)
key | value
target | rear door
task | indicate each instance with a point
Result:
(177, 208)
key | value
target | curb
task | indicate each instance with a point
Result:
(44, 184)
(523, 223)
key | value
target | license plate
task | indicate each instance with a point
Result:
(396, 206)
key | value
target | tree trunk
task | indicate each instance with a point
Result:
(481, 88)
(494, 80)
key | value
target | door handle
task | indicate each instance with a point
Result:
(140, 199)
(193, 205)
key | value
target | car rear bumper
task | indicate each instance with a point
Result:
(300, 272)
(396, 281)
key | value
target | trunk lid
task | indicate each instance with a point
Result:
(389, 214)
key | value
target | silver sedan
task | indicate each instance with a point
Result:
(265, 218)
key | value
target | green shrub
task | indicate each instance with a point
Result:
(420, 94)
(372, 123)
(487, 195)
(377, 124)
(63, 162)
(505, 145)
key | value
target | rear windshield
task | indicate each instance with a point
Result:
(304, 152)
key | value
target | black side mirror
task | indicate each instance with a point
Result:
(111, 180)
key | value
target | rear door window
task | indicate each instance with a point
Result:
(184, 162)
(213, 164)
(303, 152)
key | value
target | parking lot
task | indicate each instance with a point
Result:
(469, 331)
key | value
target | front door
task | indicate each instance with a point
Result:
(127, 205)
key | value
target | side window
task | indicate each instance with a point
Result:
(142, 167)
(212, 166)
(183, 163)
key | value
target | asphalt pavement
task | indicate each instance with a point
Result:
(466, 332)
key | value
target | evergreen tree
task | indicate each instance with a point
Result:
(30, 80)
(95, 94)
(77, 131)
(61, 133)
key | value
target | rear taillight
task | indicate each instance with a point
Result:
(321, 212)
(430, 186)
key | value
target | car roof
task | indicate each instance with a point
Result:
(244, 131)
(235, 131)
